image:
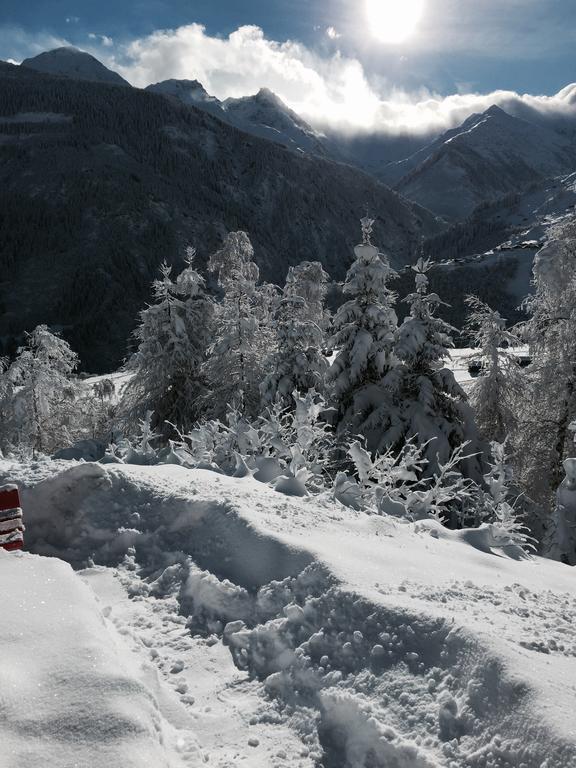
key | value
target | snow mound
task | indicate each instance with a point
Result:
(97, 512)
(66, 698)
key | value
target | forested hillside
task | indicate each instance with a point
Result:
(100, 183)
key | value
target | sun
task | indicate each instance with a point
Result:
(393, 21)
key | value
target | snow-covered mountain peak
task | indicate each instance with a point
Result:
(190, 90)
(182, 85)
(71, 62)
(266, 108)
(496, 111)
(266, 115)
(493, 111)
(494, 118)
(266, 97)
(263, 114)
(265, 94)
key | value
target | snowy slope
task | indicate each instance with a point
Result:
(495, 247)
(71, 62)
(527, 217)
(539, 208)
(490, 155)
(269, 117)
(358, 640)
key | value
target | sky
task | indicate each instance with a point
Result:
(357, 64)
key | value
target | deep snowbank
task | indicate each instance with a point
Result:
(367, 642)
(66, 698)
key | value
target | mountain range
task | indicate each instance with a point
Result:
(490, 155)
(487, 157)
(100, 182)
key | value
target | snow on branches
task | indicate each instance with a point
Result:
(363, 336)
(243, 338)
(428, 405)
(173, 337)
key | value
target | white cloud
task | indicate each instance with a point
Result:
(104, 40)
(17, 44)
(332, 33)
(329, 90)
(323, 89)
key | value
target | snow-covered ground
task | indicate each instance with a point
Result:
(213, 620)
(461, 358)
(69, 694)
(119, 380)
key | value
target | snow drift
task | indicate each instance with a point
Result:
(67, 698)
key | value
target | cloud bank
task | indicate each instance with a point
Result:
(328, 90)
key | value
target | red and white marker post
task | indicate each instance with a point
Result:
(11, 525)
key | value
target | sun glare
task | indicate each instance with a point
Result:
(393, 21)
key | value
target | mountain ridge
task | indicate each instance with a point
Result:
(489, 156)
(263, 114)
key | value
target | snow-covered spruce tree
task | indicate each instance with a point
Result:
(42, 393)
(243, 335)
(309, 281)
(548, 402)
(173, 337)
(364, 331)
(493, 394)
(298, 363)
(428, 406)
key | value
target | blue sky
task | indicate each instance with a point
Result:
(458, 47)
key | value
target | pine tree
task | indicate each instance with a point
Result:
(173, 337)
(298, 364)
(364, 329)
(429, 406)
(493, 394)
(243, 337)
(43, 393)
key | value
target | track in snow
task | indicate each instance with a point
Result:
(324, 674)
